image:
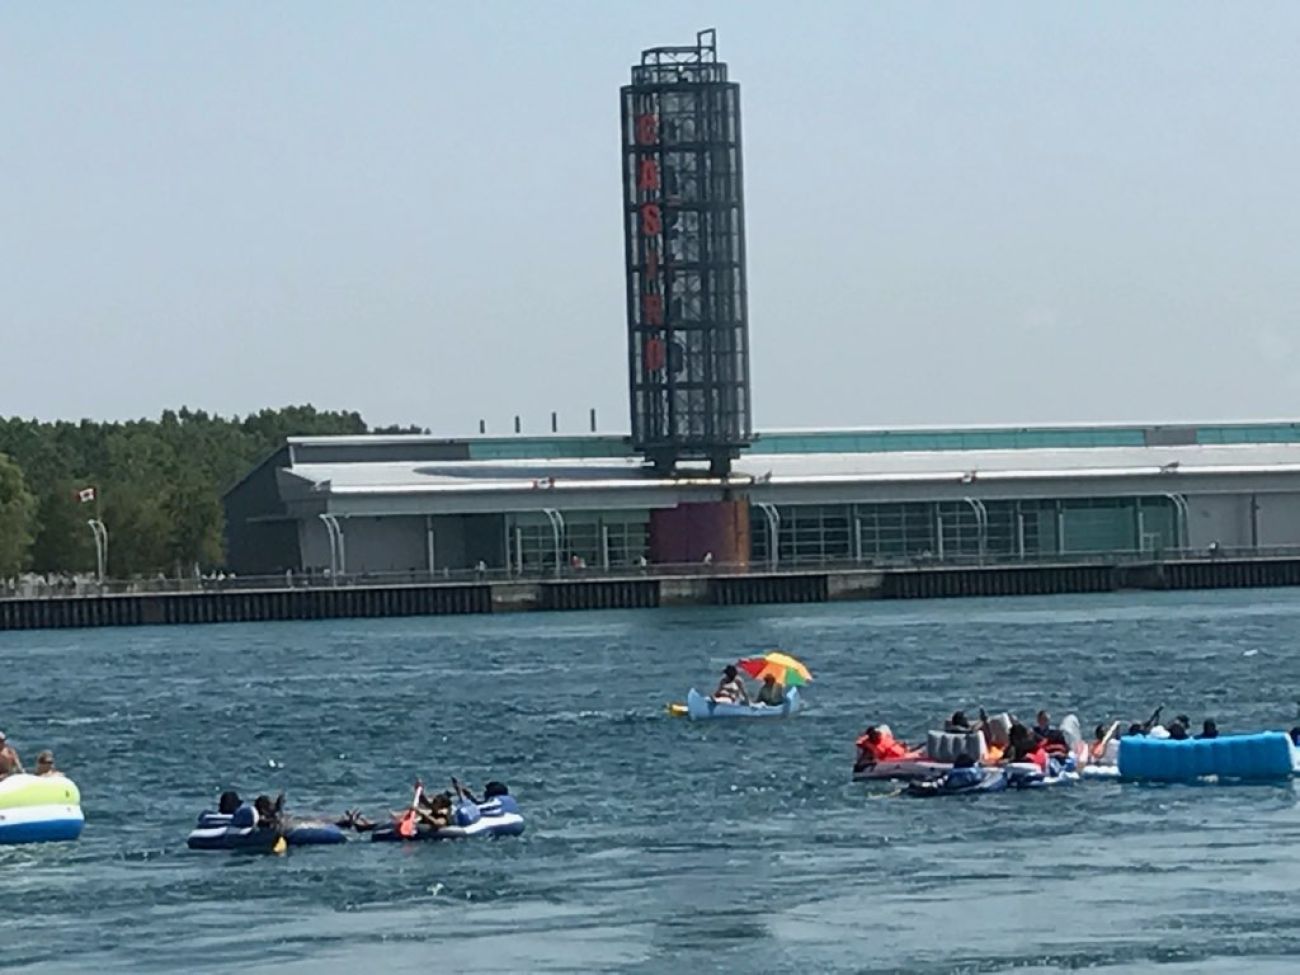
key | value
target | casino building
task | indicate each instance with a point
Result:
(693, 482)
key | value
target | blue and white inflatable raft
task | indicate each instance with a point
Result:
(39, 809)
(1268, 755)
(499, 816)
(961, 782)
(701, 708)
(239, 831)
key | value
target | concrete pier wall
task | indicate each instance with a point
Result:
(641, 592)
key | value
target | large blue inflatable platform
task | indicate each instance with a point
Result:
(1268, 755)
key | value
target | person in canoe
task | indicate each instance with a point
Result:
(731, 688)
(771, 693)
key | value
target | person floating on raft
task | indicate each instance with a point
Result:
(433, 811)
(877, 745)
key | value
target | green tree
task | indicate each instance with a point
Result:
(194, 518)
(17, 519)
(160, 483)
(63, 539)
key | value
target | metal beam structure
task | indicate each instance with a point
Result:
(684, 235)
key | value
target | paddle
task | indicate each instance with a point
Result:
(406, 825)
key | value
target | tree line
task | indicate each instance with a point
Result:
(157, 486)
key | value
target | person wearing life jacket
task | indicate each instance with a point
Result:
(878, 745)
(1027, 747)
(1039, 756)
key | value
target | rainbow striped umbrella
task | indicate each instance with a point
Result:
(784, 668)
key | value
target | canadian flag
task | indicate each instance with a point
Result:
(86, 494)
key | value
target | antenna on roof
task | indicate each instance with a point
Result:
(555, 422)
(482, 427)
(517, 428)
(593, 419)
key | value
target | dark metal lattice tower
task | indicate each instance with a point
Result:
(684, 230)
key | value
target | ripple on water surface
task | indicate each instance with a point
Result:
(654, 844)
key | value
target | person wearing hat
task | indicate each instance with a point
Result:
(10, 764)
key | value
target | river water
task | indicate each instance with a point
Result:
(654, 844)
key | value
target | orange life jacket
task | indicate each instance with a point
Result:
(1039, 757)
(884, 749)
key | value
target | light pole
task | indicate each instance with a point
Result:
(338, 555)
(557, 530)
(773, 516)
(101, 547)
(981, 524)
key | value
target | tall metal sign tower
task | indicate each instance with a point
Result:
(684, 233)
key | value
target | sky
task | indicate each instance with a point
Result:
(958, 213)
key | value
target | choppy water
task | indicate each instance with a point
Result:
(655, 844)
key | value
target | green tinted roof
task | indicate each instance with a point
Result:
(921, 439)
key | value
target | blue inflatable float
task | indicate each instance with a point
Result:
(960, 782)
(499, 816)
(240, 831)
(1268, 755)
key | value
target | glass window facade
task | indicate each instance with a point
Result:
(997, 530)
(616, 539)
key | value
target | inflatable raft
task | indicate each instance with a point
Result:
(1269, 755)
(701, 708)
(1027, 775)
(942, 748)
(39, 809)
(953, 784)
(495, 817)
(216, 831)
(903, 770)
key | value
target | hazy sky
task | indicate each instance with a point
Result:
(957, 212)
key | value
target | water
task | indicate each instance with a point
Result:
(654, 844)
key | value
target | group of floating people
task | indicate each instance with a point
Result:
(992, 752)
(1009, 740)
(44, 805)
(731, 689)
(11, 764)
(263, 823)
